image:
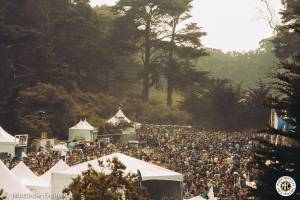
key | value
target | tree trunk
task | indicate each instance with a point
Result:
(146, 76)
(170, 86)
(146, 87)
(170, 92)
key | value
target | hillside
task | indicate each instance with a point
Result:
(242, 68)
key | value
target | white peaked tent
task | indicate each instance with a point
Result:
(58, 167)
(11, 185)
(152, 175)
(29, 179)
(118, 117)
(83, 130)
(7, 142)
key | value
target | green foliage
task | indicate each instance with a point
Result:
(285, 159)
(181, 46)
(215, 107)
(117, 185)
(64, 108)
(60, 107)
(72, 61)
(242, 68)
(222, 106)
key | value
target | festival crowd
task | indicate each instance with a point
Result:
(219, 159)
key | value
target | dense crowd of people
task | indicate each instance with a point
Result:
(206, 159)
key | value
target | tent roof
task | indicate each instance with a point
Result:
(118, 117)
(10, 184)
(88, 125)
(6, 137)
(26, 176)
(83, 125)
(148, 170)
(59, 166)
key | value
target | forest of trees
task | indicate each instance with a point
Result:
(243, 68)
(284, 158)
(67, 60)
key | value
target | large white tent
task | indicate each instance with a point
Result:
(7, 142)
(149, 172)
(58, 167)
(29, 179)
(83, 130)
(118, 117)
(11, 185)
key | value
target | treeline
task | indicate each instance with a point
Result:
(61, 60)
(243, 68)
(278, 155)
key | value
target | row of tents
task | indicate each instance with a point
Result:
(87, 132)
(21, 180)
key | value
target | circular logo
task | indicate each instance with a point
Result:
(285, 186)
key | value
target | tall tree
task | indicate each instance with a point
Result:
(149, 17)
(183, 45)
(283, 158)
(212, 107)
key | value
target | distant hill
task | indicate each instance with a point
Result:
(242, 68)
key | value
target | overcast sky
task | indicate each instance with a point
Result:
(230, 24)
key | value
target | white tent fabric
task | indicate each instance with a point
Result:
(83, 125)
(6, 137)
(60, 147)
(211, 195)
(83, 130)
(197, 198)
(148, 171)
(7, 142)
(88, 125)
(58, 167)
(119, 116)
(12, 187)
(29, 179)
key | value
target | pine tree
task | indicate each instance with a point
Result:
(282, 159)
(183, 45)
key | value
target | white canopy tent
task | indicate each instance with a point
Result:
(7, 142)
(118, 117)
(148, 171)
(83, 130)
(13, 188)
(29, 179)
(58, 167)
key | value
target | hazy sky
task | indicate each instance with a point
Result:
(230, 24)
